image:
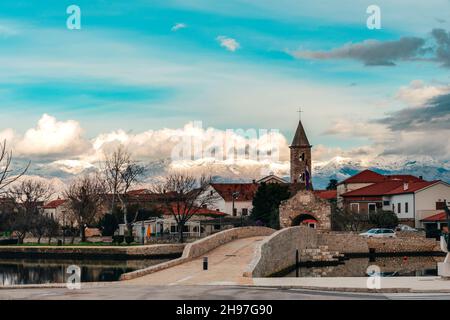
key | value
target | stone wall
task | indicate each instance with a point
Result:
(344, 242)
(403, 245)
(352, 243)
(200, 247)
(305, 202)
(93, 252)
(277, 252)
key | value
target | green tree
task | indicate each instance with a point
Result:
(266, 203)
(332, 185)
(383, 219)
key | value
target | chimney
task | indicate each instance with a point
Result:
(405, 186)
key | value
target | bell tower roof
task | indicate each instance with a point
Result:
(300, 138)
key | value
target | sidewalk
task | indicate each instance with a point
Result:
(359, 284)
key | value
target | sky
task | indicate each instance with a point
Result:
(142, 73)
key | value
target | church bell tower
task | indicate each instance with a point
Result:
(301, 159)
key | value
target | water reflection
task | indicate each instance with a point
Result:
(389, 266)
(37, 271)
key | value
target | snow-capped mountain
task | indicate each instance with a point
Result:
(341, 168)
(59, 173)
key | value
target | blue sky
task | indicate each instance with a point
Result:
(128, 69)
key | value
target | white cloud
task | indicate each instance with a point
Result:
(417, 93)
(51, 137)
(228, 43)
(178, 26)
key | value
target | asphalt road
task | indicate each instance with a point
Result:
(114, 292)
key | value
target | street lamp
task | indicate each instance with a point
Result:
(447, 236)
(64, 227)
(234, 196)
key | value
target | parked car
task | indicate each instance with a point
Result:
(404, 227)
(379, 233)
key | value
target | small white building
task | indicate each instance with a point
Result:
(415, 201)
(234, 199)
(56, 209)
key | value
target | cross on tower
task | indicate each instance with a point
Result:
(300, 113)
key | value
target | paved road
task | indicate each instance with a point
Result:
(114, 292)
(227, 264)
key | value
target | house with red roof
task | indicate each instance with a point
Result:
(234, 199)
(411, 198)
(56, 209)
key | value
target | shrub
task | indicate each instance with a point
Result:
(383, 219)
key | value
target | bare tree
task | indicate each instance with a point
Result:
(29, 195)
(7, 174)
(184, 196)
(85, 197)
(121, 174)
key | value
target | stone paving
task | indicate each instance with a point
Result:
(226, 265)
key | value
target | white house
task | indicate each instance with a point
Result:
(234, 199)
(415, 201)
(56, 209)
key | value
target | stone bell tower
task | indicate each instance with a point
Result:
(301, 159)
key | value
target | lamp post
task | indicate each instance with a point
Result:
(64, 227)
(234, 196)
(447, 237)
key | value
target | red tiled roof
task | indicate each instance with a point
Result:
(369, 176)
(437, 217)
(404, 177)
(54, 204)
(376, 189)
(200, 211)
(138, 192)
(412, 187)
(246, 190)
(365, 176)
(326, 194)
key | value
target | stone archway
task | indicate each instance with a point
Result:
(305, 202)
(305, 219)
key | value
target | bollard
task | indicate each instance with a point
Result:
(296, 263)
(205, 263)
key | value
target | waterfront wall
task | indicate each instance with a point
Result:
(344, 242)
(93, 252)
(198, 248)
(277, 252)
(351, 243)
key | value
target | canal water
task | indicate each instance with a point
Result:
(40, 271)
(388, 267)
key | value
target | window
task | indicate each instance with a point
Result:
(244, 211)
(354, 207)
(386, 203)
(399, 208)
(440, 205)
(406, 207)
(372, 207)
(393, 208)
(217, 227)
(234, 211)
(173, 229)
